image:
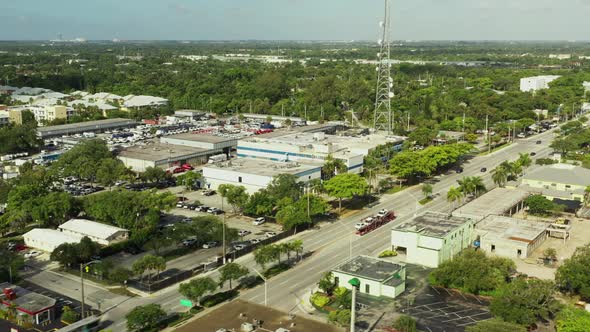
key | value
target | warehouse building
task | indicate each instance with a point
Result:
(432, 238)
(498, 201)
(312, 147)
(98, 232)
(82, 127)
(140, 157)
(559, 181)
(202, 141)
(255, 174)
(48, 239)
(509, 237)
(377, 277)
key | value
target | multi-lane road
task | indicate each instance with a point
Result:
(336, 242)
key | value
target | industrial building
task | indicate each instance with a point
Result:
(202, 141)
(559, 181)
(536, 83)
(377, 277)
(510, 237)
(98, 232)
(140, 157)
(312, 147)
(79, 128)
(31, 308)
(48, 239)
(498, 201)
(255, 174)
(432, 238)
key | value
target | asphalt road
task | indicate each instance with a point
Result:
(336, 242)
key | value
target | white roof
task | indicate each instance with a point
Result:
(91, 228)
(102, 96)
(100, 105)
(30, 91)
(138, 101)
(51, 237)
(52, 94)
(4, 114)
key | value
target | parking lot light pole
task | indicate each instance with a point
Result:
(82, 267)
(354, 282)
(265, 286)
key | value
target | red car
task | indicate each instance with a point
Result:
(178, 170)
(187, 167)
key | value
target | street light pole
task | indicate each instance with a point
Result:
(223, 231)
(354, 282)
(82, 266)
(265, 286)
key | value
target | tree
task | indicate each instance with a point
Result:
(196, 288)
(572, 319)
(145, 317)
(149, 263)
(290, 216)
(75, 162)
(563, 145)
(495, 325)
(236, 196)
(573, 276)
(87, 248)
(54, 208)
(427, 190)
(539, 205)
(524, 160)
(500, 176)
(473, 272)
(524, 301)
(471, 138)
(472, 185)
(284, 186)
(423, 136)
(231, 271)
(346, 186)
(10, 264)
(68, 315)
(405, 323)
(110, 171)
(260, 203)
(189, 179)
(266, 254)
(333, 166)
(154, 174)
(66, 254)
(453, 195)
(327, 283)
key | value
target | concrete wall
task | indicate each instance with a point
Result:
(374, 286)
(137, 165)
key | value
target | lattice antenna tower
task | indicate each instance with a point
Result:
(383, 117)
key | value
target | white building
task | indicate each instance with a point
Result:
(510, 237)
(132, 101)
(312, 147)
(202, 141)
(100, 233)
(586, 86)
(432, 238)
(561, 181)
(560, 56)
(377, 277)
(48, 239)
(537, 82)
(256, 174)
(4, 118)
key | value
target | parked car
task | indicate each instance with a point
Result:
(31, 254)
(382, 212)
(483, 169)
(208, 192)
(189, 241)
(270, 234)
(209, 245)
(255, 241)
(459, 170)
(243, 232)
(539, 142)
(532, 154)
(187, 220)
(259, 221)
(360, 225)
(180, 205)
(202, 208)
(239, 247)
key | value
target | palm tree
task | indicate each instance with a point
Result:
(333, 167)
(466, 186)
(478, 185)
(427, 190)
(524, 160)
(453, 195)
(500, 176)
(297, 246)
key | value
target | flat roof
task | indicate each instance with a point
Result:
(561, 173)
(200, 138)
(495, 202)
(51, 236)
(369, 268)
(27, 301)
(87, 125)
(161, 151)
(263, 167)
(231, 315)
(510, 229)
(432, 224)
(91, 228)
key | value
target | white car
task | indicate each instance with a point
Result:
(31, 254)
(255, 241)
(368, 220)
(243, 232)
(382, 212)
(259, 221)
(360, 225)
(270, 234)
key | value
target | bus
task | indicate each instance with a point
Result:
(88, 324)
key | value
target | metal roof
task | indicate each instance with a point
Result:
(561, 173)
(91, 228)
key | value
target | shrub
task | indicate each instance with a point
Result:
(319, 300)
(340, 317)
(69, 316)
(405, 323)
(388, 253)
(211, 300)
(338, 292)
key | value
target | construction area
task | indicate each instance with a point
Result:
(245, 316)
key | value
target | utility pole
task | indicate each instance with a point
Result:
(82, 292)
(265, 286)
(487, 129)
(408, 129)
(308, 202)
(354, 282)
(305, 110)
(223, 232)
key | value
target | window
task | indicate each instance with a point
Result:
(336, 281)
(519, 252)
(493, 248)
(367, 289)
(239, 179)
(568, 186)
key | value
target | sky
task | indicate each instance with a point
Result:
(293, 19)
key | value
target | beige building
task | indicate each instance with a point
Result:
(561, 181)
